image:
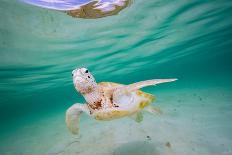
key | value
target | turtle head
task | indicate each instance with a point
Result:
(83, 80)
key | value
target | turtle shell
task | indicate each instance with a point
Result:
(150, 98)
(109, 84)
(114, 113)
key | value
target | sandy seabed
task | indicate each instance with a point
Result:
(194, 122)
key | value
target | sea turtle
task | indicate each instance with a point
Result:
(108, 100)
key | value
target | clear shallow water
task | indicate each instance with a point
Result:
(190, 41)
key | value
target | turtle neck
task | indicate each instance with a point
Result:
(93, 98)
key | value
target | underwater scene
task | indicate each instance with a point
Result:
(54, 56)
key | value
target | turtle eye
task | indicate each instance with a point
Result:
(86, 71)
(72, 74)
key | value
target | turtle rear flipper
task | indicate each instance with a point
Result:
(137, 117)
(73, 117)
(153, 110)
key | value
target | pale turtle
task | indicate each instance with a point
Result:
(108, 100)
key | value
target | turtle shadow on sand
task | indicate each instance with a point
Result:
(136, 148)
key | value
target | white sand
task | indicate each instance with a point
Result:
(194, 122)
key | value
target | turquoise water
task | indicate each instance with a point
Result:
(180, 39)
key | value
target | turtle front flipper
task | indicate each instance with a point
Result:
(141, 84)
(73, 117)
(125, 89)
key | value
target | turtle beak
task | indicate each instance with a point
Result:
(73, 72)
